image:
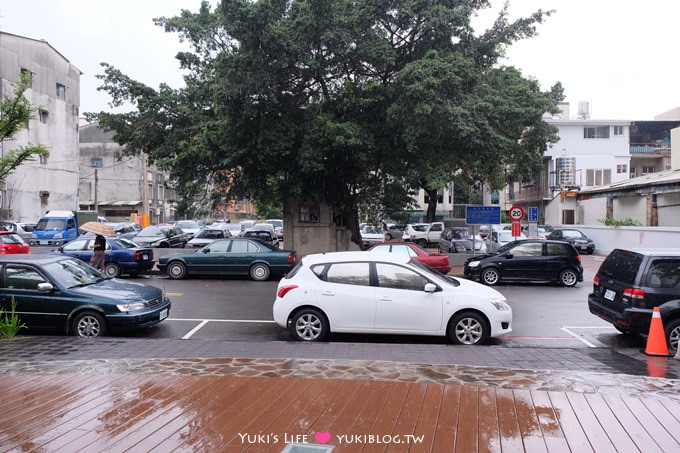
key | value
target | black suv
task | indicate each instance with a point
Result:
(630, 283)
(531, 260)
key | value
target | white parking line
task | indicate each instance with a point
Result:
(567, 329)
(203, 322)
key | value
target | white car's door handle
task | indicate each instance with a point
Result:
(328, 293)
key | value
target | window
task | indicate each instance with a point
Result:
(28, 74)
(553, 249)
(44, 115)
(598, 176)
(646, 170)
(22, 278)
(43, 158)
(618, 130)
(440, 198)
(349, 274)
(596, 132)
(530, 249)
(622, 168)
(44, 196)
(397, 277)
(664, 274)
(61, 91)
(309, 213)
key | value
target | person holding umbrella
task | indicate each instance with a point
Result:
(98, 257)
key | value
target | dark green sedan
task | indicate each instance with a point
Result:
(65, 294)
(238, 256)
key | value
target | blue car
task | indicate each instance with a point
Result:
(122, 256)
(63, 294)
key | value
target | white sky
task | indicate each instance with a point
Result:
(615, 54)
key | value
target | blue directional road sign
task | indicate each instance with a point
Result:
(533, 215)
(482, 215)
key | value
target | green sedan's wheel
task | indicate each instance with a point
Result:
(259, 272)
(177, 270)
(88, 324)
(112, 270)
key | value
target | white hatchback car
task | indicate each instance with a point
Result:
(361, 292)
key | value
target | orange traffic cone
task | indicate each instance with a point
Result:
(656, 340)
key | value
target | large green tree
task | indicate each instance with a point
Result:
(355, 103)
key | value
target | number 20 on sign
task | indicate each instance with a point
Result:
(516, 213)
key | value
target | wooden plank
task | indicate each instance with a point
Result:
(569, 423)
(611, 425)
(656, 429)
(366, 419)
(447, 422)
(408, 418)
(489, 429)
(643, 441)
(387, 418)
(550, 425)
(508, 424)
(667, 412)
(426, 426)
(529, 425)
(597, 436)
(468, 422)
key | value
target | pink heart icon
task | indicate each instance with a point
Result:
(323, 437)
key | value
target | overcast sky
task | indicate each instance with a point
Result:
(616, 55)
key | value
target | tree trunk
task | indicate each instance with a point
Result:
(431, 204)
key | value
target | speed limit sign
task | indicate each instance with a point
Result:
(516, 213)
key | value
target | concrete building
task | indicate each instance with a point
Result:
(116, 185)
(50, 182)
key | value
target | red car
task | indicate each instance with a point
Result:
(436, 261)
(11, 243)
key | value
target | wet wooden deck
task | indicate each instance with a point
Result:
(140, 413)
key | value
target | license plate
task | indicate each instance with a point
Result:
(609, 294)
(44, 242)
(583, 247)
(145, 257)
(164, 314)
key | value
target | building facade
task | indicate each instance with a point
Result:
(118, 186)
(50, 182)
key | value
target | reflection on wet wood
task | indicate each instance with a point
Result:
(164, 413)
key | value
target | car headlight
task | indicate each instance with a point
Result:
(500, 304)
(131, 307)
(34, 236)
(58, 236)
(473, 264)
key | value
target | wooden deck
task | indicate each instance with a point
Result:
(140, 413)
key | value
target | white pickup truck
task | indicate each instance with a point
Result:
(424, 234)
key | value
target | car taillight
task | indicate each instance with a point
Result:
(3, 251)
(138, 256)
(634, 293)
(291, 259)
(284, 290)
(596, 280)
(578, 257)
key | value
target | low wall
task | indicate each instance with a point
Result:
(608, 238)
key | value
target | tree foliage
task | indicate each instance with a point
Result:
(14, 114)
(356, 103)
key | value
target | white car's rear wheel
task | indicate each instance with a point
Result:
(309, 325)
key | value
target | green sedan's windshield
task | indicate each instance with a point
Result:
(70, 273)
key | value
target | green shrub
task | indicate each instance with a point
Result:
(10, 324)
(614, 223)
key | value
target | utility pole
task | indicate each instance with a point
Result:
(96, 194)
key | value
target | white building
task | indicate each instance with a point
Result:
(116, 185)
(52, 181)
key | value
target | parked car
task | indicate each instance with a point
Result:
(459, 239)
(163, 236)
(580, 241)
(120, 257)
(371, 234)
(126, 230)
(386, 293)
(529, 260)
(424, 234)
(436, 261)
(64, 294)
(12, 243)
(23, 229)
(498, 239)
(394, 231)
(237, 256)
(189, 227)
(630, 283)
(267, 237)
(207, 236)
(278, 227)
